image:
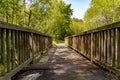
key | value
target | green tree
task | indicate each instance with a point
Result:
(51, 17)
(77, 26)
(102, 12)
(60, 20)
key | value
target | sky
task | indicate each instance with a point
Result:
(79, 7)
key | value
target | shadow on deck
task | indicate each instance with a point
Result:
(63, 63)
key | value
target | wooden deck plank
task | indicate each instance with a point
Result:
(63, 63)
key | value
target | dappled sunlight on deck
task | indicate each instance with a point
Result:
(63, 63)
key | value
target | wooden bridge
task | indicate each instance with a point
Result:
(21, 49)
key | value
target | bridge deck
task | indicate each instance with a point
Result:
(62, 63)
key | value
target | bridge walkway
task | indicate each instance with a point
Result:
(63, 63)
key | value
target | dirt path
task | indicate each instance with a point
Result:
(62, 63)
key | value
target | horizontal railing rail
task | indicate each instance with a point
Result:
(18, 47)
(100, 45)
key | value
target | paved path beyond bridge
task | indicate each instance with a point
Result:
(63, 63)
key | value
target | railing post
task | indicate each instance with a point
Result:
(18, 48)
(13, 48)
(31, 45)
(91, 53)
(118, 48)
(113, 46)
(105, 47)
(3, 50)
(8, 49)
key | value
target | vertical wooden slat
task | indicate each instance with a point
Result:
(99, 46)
(8, 49)
(23, 45)
(43, 42)
(87, 46)
(20, 56)
(13, 48)
(17, 47)
(3, 50)
(18, 50)
(27, 46)
(29, 51)
(80, 42)
(31, 44)
(91, 47)
(105, 47)
(113, 47)
(22, 50)
(38, 42)
(118, 48)
(102, 46)
(74, 42)
(34, 45)
(84, 45)
(94, 46)
(0, 56)
(26, 54)
(108, 46)
(71, 41)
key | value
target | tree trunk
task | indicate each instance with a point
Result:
(24, 9)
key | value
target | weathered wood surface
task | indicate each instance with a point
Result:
(63, 63)
(18, 47)
(103, 48)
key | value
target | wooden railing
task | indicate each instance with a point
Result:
(100, 45)
(18, 47)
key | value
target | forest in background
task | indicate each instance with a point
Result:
(53, 17)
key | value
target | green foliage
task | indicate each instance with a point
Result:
(77, 26)
(54, 18)
(11, 11)
(56, 41)
(102, 12)
(51, 17)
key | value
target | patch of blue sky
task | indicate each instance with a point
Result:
(79, 7)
